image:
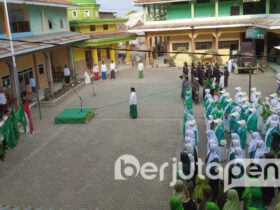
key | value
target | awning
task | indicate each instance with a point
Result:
(30, 44)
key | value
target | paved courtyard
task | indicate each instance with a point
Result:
(72, 166)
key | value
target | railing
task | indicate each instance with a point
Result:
(20, 26)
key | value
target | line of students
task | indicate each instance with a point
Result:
(225, 115)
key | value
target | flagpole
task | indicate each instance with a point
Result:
(14, 66)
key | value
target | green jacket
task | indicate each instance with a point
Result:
(242, 132)
(252, 123)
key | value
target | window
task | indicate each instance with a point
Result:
(72, 28)
(105, 27)
(233, 45)
(202, 1)
(74, 14)
(25, 75)
(92, 28)
(203, 45)
(50, 24)
(176, 46)
(87, 13)
(234, 10)
(61, 23)
(253, 8)
(6, 81)
(41, 69)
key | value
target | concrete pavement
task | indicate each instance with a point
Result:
(72, 166)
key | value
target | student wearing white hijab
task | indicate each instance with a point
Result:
(260, 150)
(253, 144)
(191, 141)
(253, 94)
(231, 151)
(238, 91)
(273, 117)
(192, 126)
(274, 100)
(207, 95)
(210, 134)
(191, 133)
(214, 153)
(239, 153)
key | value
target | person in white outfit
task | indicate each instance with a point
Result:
(113, 70)
(133, 103)
(103, 70)
(238, 91)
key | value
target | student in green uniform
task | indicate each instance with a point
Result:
(242, 132)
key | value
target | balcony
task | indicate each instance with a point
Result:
(20, 26)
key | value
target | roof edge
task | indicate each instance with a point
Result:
(158, 2)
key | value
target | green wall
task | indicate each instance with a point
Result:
(55, 14)
(274, 7)
(178, 11)
(204, 9)
(224, 7)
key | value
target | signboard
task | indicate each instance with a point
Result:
(255, 33)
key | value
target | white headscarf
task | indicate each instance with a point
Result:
(190, 140)
(190, 117)
(188, 148)
(215, 152)
(211, 135)
(237, 109)
(239, 153)
(235, 136)
(253, 143)
(210, 142)
(190, 133)
(235, 143)
(261, 150)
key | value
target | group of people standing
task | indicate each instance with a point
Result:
(206, 77)
(103, 67)
(236, 128)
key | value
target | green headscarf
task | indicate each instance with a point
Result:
(278, 203)
(198, 190)
(247, 194)
(176, 203)
(256, 199)
(233, 202)
(220, 107)
(211, 206)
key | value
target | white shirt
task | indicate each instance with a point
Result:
(3, 98)
(137, 58)
(95, 69)
(278, 78)
(112, 66)
(32, 82)
(66, 72)
(133, 98)
(87, 78)
(222, 82)
(229, 65)
(103, 67)
(140, 66)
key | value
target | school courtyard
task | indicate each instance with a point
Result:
(72, 166)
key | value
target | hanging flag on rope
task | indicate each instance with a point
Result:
(29, 123)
